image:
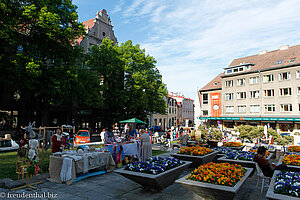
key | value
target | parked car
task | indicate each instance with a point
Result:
(155, 128)
(82, 137)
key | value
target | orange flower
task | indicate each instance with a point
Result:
(218, 173)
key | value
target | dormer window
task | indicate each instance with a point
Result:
(292, 59)
(278, 62)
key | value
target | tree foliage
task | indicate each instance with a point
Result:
(251, 132)
(132, 85)
(37, 50)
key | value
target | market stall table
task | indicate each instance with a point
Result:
(63, 167)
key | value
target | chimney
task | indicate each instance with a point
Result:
(284, 47)
(261, 52)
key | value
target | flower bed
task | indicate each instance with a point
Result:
(244, 155)
(232, 144)
(198, 155)
(195, 151)
(255, 152)
(154, 165)
(291, 159)
(159, 176)
(218, 173)
(284, 185)
(216, 180)
(294, 149)
(222, 150)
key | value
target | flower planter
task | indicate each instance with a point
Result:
(238, 148)
(197, 160)
(272, 195)
(294, 168)
(158, 181)
(244, 163)
(213, 191)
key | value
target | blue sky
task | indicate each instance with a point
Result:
(193, 40)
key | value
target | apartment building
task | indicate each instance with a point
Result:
(262, 89)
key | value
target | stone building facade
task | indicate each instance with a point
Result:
(97, 29)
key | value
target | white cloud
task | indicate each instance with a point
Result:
(193, 40)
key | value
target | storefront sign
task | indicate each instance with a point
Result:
(252, 118)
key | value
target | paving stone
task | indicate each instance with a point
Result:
(4, 181)
(14, 184)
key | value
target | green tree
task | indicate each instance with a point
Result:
(106, 62)
(37, 53)
(145, 90)
(131, 84)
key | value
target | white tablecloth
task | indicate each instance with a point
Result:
(132, 149)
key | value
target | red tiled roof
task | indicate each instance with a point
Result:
(89, 23)
(211, 85)
(269, 59)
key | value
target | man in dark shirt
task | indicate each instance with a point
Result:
(264, 165)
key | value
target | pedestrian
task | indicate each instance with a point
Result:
(109, 136)
(146, 145)
(169, 138)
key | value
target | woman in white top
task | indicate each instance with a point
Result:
(146, 145)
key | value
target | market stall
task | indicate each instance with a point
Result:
(65, 166)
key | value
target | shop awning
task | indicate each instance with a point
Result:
(251, 118)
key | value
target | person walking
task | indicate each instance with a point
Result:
(146, 145)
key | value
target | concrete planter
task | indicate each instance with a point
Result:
(237, 148)
(212, 191)
(294, 168)
(159, 181)
(244, 163)
(197, 160)
(270, 193)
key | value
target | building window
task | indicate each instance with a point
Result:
(205, 112)
(286, 108)
(278, 62)
(285, 91)
(235, 70)
(228, 71)
(254, 94)
(299, 107)
(292, 59)
(270, 108)
(298, 74)
(268, 78)
(103, 34)
(170, 110)
(254, 80)
(242, 109)
(215, 83)
(269, 93)
(229, 109)
(298, 90)
(205, 98)
(285, 76)
(254, 108)
(241, 95)
(241, 82)
(229, 83)
(229, 96)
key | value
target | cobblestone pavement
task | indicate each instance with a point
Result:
(115, 186)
